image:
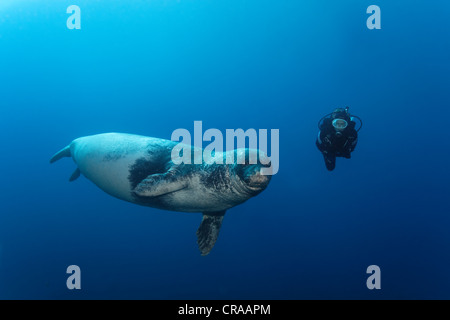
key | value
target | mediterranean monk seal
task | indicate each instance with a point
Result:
(140, 170)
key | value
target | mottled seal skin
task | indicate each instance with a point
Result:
(140, 170)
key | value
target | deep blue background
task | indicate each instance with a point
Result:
(149, 67)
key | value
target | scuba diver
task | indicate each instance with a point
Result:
(337, 136)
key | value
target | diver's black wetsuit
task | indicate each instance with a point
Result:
(334, 144)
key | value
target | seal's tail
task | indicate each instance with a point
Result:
(61, 154)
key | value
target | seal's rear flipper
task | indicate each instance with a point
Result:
(208, 231)
(61, 154)
(75, 175)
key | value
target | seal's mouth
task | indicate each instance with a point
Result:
(258, 181)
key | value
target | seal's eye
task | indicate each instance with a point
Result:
(244, 171)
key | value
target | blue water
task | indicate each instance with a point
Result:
(150, 67)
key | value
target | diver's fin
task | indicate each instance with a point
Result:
(158, 184)
(330, 161)
(61, 154)
(75, 175)
(208, 231)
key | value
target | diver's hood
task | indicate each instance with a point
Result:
(340, 113)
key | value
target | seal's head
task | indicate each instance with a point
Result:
(251, 175)
(249, 171)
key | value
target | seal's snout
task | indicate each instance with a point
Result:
(258, 181)
(251, 174)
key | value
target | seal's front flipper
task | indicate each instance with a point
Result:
(208, 231)
(158, 184)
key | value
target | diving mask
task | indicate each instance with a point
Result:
(339, 124)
